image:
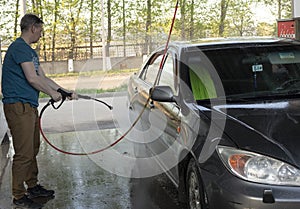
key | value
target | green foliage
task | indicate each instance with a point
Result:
(266, 29)
(240, 21)
(135, 21)
(281, 8)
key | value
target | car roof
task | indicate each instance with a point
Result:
(232, 41)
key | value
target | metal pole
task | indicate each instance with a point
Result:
(0, 54)
(296, 8)
(0, 61)
(296, 17)
(103, 37)
(23, 7)
(0, 71)
(293, 8)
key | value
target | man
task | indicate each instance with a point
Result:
(22, 80)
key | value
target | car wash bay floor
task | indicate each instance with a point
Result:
(80, 183)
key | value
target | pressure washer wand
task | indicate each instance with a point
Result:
(64, 96)
(69, 94)
(88, 97)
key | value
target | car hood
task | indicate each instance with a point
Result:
(271, 128)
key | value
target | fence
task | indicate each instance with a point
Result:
(129, 56)
(87, 52)
(116, 63)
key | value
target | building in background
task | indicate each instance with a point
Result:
(290, 28)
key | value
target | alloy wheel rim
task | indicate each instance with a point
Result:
(194, 192)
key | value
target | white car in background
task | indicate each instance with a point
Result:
(3, 125)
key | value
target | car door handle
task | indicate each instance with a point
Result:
(135, 90)
(151, 105)
(130, 107)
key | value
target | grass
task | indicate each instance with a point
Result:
(91, 73)
(93, 91)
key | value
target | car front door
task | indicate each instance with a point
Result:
(160, 121)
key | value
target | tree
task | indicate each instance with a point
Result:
(9, 20)
(109, 27)
(55, 19)
(283, 7)
(223, 12)
(118, 15)
(192, 25)
(182, 4)
(77, 23)
(91, 26)
(195, 13)
(72, 20)
(148, 27)
(124, 27)
(240, 18)
(16, 18)
(266, 29)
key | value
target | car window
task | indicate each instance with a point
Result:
(202, 84)
(151, 69)
(168, 76)
(254, 70)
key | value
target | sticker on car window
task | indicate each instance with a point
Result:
(287, 55)
(257, 68)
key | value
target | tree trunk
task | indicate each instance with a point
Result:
(16, 18)
(91, 29)
(108, 27)
(279, 9)
(73, 30)
(192, 21)
(56, 2)
(182, 20)
(72, 33)
(148, 48)
(124, 29)
(224, 6)
(41, 15)
(34, 6)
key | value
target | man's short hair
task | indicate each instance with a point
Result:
(28, 20)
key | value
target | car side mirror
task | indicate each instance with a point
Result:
(162, 94)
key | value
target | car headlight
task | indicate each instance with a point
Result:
(258, 168)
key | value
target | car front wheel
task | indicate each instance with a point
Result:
(195, 195)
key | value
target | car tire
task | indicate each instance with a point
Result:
(194, 188)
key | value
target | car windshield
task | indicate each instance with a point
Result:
(254, 70)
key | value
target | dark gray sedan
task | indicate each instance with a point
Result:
(222, 119)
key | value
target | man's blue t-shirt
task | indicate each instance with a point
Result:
(15, 87)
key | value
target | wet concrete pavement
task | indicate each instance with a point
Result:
(77, 181)
(80, 182)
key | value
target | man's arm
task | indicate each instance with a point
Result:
(54, 85)
(49, 81)
(40, 82)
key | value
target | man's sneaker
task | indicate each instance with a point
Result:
(39, 191)
(27, 203)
